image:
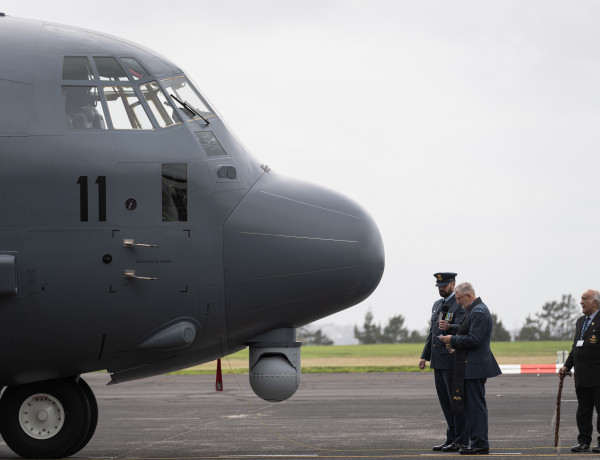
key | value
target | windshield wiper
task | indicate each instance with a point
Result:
(189, 110)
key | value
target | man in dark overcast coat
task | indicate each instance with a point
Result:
(474, 364)
(585, 356)
(445, 314)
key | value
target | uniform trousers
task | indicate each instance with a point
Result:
(457, 424)
(477, 413)
(587, 399)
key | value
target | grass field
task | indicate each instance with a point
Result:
(387, 357)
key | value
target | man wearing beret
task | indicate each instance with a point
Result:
(585, 356)
(445, 316)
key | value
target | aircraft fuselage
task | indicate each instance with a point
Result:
(139, 236)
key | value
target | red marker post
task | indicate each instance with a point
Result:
(219, 384)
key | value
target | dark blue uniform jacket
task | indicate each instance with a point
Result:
(435, 350)
(479, 361)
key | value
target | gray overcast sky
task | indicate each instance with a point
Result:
(468, 129)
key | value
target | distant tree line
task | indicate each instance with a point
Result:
(393, 332)
(309, 337)
(556, 321)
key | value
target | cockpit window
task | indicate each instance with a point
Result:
(186, 97)
(125, 108)
(210, 144)
(83, 108)
(134, 68)
(117, 92)
(77, 68)
(163, 111)
(109, 69)
(174, 193)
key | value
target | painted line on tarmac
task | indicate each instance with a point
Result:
(159, 419)
(375, 457)
(491, 453)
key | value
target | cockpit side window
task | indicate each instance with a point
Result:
(83, 109)
(161, 108)
(109, 69)
(125, 108)
(187, 98)
(77, 68)
(134, 68)
(210, 144)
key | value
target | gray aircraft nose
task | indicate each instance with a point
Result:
(294, 253)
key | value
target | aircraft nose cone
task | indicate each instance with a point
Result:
(295, 253)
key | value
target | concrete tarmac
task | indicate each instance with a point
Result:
(332, 416)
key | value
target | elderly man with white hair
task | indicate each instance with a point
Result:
(473, 365)
(585, 356)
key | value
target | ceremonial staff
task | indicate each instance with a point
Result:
(558, 399)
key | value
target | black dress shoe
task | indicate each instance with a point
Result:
(474, 450)
(452, 447)
(580, 448)
(441, 446)
(596, 449)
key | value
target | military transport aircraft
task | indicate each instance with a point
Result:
(137, 235)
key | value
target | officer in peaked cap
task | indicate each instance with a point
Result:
(444, 279)
(446, 314)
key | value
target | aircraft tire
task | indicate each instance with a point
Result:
(57, 426)
(89, 394)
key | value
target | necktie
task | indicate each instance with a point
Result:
(586, 322)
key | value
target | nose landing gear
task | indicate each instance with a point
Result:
(48, 419)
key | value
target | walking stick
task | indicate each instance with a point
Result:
(558, 398)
